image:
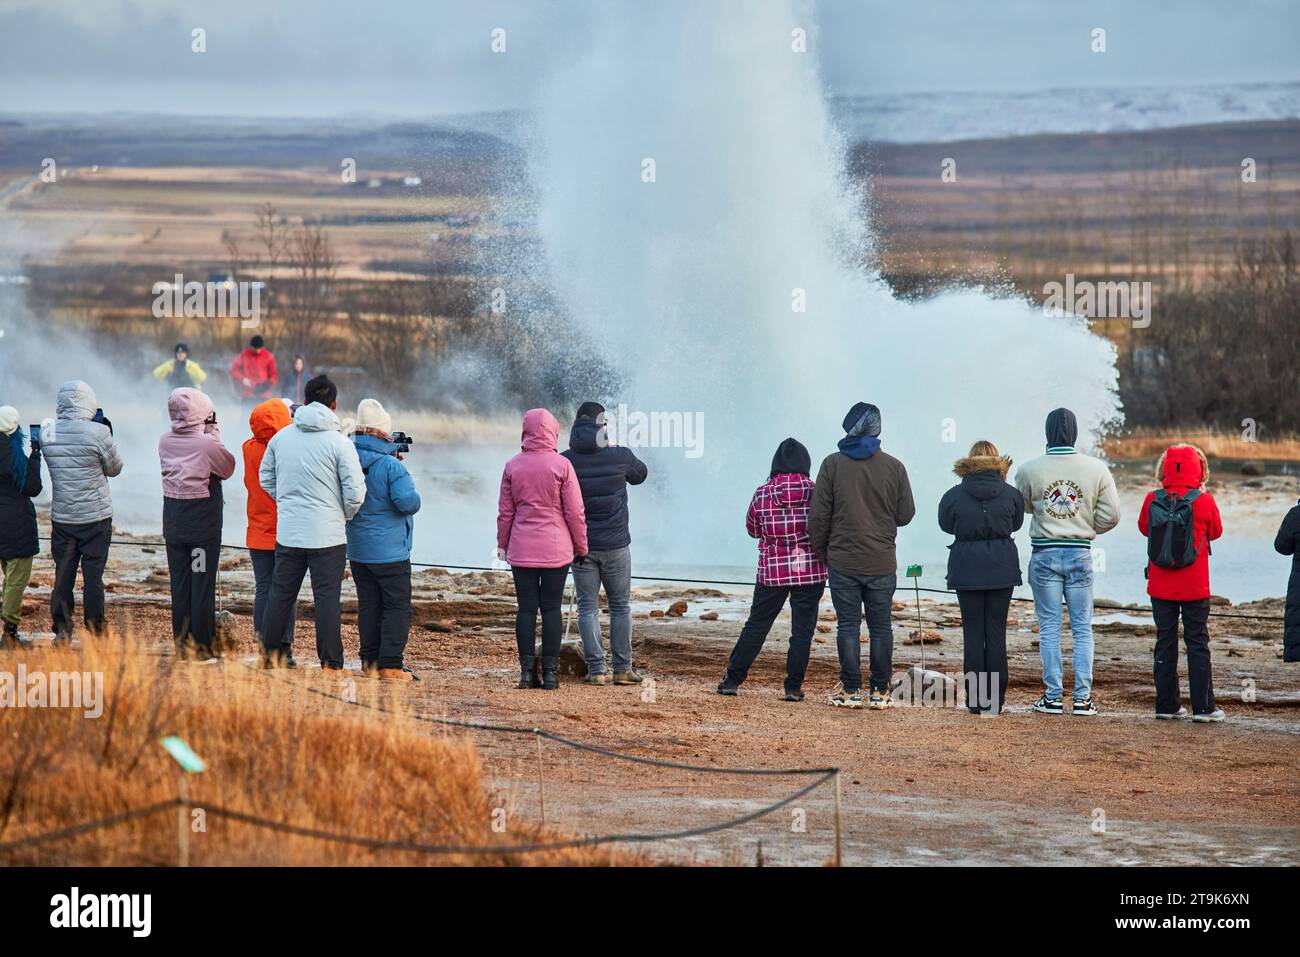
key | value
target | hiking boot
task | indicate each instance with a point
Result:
(1212, 717)
(397, 674)
(1175, 716)
(204, 654)
(10, 640)
(330, 666)
(882, 700)
(272, 660)
(551, 673)
(528, 672)
(596, 678)
(1046, 705)
(789, 695)
(729, 690)
(1083, 706)
(846, 699)
(629, 677)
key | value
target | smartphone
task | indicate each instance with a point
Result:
(35, 434)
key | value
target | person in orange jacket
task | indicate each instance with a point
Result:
(1180, 519)
(266, 420)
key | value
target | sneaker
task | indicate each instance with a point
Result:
(1083, 706)
(629, 677)
(596, 678)
(397, 674)
(204, 654)
(846, 699)
(1180, 713)
(789, 695)
(1213, 717)
(10, 640)
(1046, 705)
(881, 700)
(729, 690)
(278, 659)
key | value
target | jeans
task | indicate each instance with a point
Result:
(291, 567)
(1196, 634)
(539, 589)
(767, 604)
(263, 572)
(613, 569)
(383, 611)
(850, 594)
(1053, 573)
(984, 647)
(85, 546)
(193, 573)
(17, 572)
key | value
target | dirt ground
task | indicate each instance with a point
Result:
(920, 785)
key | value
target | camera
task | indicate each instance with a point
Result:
(401, 440)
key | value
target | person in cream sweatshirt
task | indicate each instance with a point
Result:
(1073, 499)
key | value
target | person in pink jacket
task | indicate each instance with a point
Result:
(541, 528)
(194, 464)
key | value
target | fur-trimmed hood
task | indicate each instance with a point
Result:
(982, 463)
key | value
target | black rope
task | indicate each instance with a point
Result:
(702, 581)
(111, 820)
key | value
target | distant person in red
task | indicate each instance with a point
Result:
(254, 374)
(1180, 519)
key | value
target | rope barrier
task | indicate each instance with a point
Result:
(111, 820)
(689, 581)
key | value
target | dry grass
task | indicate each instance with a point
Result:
(272, 749)
(1149, 443)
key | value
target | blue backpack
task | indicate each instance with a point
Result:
(1171, 530)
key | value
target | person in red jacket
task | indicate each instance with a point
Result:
(254, 374)
(1183, 469)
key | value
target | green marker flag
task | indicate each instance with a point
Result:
(184, 755)
(913, 571)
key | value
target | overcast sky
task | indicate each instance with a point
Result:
(428, 57)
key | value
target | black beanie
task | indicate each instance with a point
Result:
(181, 347)
(1062, 428)
(791, 456)
(863, 419)
(589, 410)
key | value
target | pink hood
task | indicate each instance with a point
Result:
(191, 453)
(541, 522)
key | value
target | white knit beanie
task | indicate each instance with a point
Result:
(8, 419)
(371, 415)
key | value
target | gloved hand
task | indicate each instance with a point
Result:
(103, 420)
(579, 559)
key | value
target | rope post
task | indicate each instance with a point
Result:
(914, 573)
(182, 820)
(839, 822)
(541, 778)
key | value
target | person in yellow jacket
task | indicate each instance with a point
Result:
(181, 372)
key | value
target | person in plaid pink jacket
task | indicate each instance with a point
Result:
(787, 568)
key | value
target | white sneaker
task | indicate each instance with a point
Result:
(1214, 716)
(1175, 716)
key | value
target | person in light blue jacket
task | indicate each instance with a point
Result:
(379, 546)
(313, 473)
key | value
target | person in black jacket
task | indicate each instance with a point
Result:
(604, 473)
(982, 512)
(1288, 543)
(20, 482)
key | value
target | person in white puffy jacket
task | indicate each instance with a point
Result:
(313, 473)
(81, 455)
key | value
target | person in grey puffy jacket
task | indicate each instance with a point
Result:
(81, 456)
(313, 473)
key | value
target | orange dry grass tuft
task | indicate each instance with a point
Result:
(1149, 444)
(271, 751)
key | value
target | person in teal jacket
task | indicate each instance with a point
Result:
(379, 546)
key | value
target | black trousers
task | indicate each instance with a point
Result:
(984, 647)
(767, 604)
(292, 565)
(84, 546)
(539, 589)
(383, 611)
(263, 573)
(193, 570)
(1196, 635)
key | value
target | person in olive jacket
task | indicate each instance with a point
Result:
(20, 482)
(982, 511)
